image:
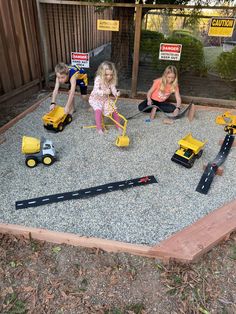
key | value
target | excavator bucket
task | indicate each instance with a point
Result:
(122, 141)
(220, 120)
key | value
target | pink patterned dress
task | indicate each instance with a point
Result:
(99, 97)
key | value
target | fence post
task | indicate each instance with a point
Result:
(137, 35)
(44, 49)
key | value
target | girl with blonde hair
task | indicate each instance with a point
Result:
(160, 91)
(104, 85)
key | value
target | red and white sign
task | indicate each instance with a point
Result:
(170, 52)
(82, 59)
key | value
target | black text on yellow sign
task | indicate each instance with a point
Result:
(222, 27)
(108, 25)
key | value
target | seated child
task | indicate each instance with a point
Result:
(74, 75)
(104, 85)
(160, 91)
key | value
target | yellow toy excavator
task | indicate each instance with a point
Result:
(229, 121)
(122, 140)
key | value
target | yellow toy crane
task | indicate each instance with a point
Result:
(121, 140)
(229, 121)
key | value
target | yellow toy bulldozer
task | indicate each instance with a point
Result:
(189, 150)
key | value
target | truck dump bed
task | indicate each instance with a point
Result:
(189, 142)
(54, 116)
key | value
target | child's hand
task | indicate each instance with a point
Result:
(52, 106)
(149, 102)
(108, 91)
(118, 94)
(66, 110)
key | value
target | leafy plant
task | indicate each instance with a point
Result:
(226, 64)
(56, 249)
(192, 55)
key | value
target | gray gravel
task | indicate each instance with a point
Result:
(146, 214)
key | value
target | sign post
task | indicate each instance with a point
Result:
(221, 27)
(81, 59)
(170, 51)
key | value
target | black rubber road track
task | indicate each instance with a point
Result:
(94, 191)
(210, 171)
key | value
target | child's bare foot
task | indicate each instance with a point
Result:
(100, 132)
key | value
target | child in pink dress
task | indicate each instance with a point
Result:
(104, 85)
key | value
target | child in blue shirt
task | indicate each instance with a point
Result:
(74, 75)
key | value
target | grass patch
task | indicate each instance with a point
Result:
(15, 305)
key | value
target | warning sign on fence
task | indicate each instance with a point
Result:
(81, 59)
(170, 51)
(222, 27)
(108, 25)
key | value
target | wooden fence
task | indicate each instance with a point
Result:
(71, 28)
(67, 28)
(19, 48)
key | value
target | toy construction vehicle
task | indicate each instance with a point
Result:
(229, 121)
(38, 151)
(121, 140)
(189, 150)
(56, 119)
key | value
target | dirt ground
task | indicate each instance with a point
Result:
(39, 277)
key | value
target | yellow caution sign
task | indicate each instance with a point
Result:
(222, 27)
(108, 25)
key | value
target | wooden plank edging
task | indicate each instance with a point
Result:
(193, 241)
(185, 246)
(74, 239)
(22, 115)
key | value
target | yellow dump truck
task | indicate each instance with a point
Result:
(36, 151)
(56, 119)
(229, 121)
(189, 149)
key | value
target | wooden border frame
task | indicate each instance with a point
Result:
(22, 115)
(185, 246)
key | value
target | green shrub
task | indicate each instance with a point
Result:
(192, 55)
(150, 40)
(184, 33)
(226, 64)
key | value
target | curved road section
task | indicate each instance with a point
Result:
(210, 171)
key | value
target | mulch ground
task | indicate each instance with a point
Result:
(39, 277)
